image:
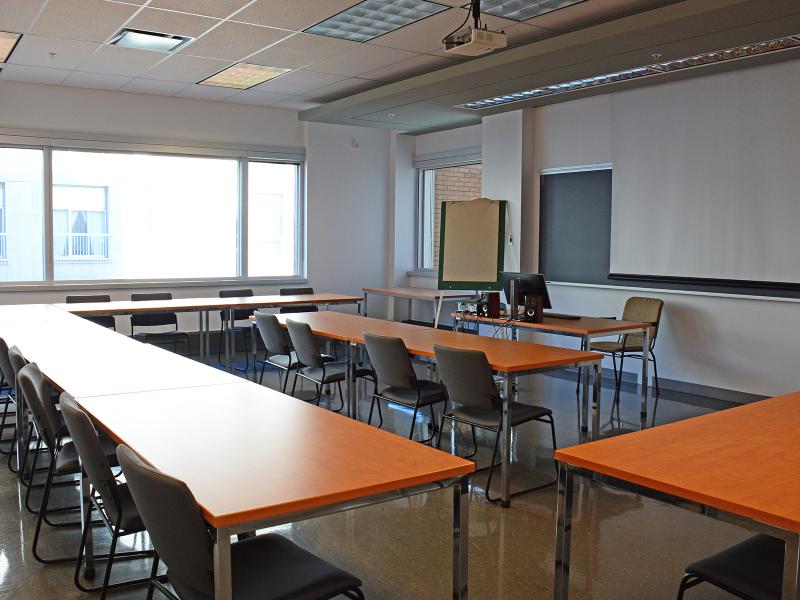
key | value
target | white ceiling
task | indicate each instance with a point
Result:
(63, 43)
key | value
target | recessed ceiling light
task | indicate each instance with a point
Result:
(698, 60)
(371, 18)
(522, 10)
(243, 76)
(8, 41)
(149, 40)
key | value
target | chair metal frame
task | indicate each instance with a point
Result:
(178, 337)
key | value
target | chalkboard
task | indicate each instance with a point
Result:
(575, 226)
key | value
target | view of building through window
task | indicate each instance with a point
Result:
(442, 184)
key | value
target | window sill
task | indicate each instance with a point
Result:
(63, 286)
(432, 273)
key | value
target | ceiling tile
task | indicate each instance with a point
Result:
(591, 12)
(96, 81)
(300, 50)
(87, 20)
(66, 54)
(165, 21)
(207, 92)
(17, 15)
(186, 69)
(422, 36)
(296, 103)
(298, 82)
(344, 88)
(417, 65)
(292, 14)
(114, 60)
(210, 8)
(362, 59)
(257, 98)
(153, 86)
(32, 74)
(234, 41)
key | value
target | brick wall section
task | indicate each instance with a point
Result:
(453, 183)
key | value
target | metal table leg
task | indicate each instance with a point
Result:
(461, 539)
(585, 392)
(223, 583)
(505, 469)
(231, 341)
(202, 341)
(437, 306)
(364, 307)
(596, 397)
(21, 426)
(254, 348)
(563, 532)
(791, 566)
(352, 408)
(645, 388)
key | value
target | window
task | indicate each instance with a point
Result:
(80, 223)
(22, 200)
(437, 185)
(272, 232)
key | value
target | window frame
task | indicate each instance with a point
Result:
(49, 143)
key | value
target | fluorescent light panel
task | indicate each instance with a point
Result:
(372, 18)
(242, 76)
(699, 60)
(522, 10)
(7, 42)
(149, 40)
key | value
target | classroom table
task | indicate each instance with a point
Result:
(278, 460)
(437, 297)
(585, 328)
(740, 465)
(204, 306)
(507, 357)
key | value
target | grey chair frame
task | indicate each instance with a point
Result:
(382, 351)
(482, 363)
(105, 320)
(7, 384)
(158, 319)
(271, 334)
(239, 314)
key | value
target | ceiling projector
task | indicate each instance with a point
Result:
(476, 40)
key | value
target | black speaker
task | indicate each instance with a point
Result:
(489, 305)
(533, 311)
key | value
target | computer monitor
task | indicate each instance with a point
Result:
(531, 285)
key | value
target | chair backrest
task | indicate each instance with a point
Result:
(5, 365)
(643, 310)
(93, 457)
(298, 291)
(274, 336)
(389, 359)
(105, 321)
(175, 524)
(305, 345)
(240, 314)
(153, 319)
(16, 360)
(467, 376)
(34, 388)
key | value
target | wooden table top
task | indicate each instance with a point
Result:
(271, 455)
(419, 293)
(127, 307)
(505, 356)
(744, 460)
(580, 326)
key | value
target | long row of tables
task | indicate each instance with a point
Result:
(274, 459)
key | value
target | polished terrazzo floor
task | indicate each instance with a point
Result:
(625, 546)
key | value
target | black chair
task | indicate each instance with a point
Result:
(111, 499)
(313, 367)
(239, 315)
(300, 291)
(752, 569)
(62, 455)
(397, 382)
(158, 319)
(7, 383)
(105, 321)
(16, 360)
(468, 379)
(265, 566)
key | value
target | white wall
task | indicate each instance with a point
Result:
(347, 188)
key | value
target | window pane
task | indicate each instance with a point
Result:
(22, 225)
(272, 207)
(140, 216)
(444, 184)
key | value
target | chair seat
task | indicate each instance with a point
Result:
(67, 462)
(490, 418)
(754, 568)
(615, 347)
(429, 393)
(334, 372)
(289, 361)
